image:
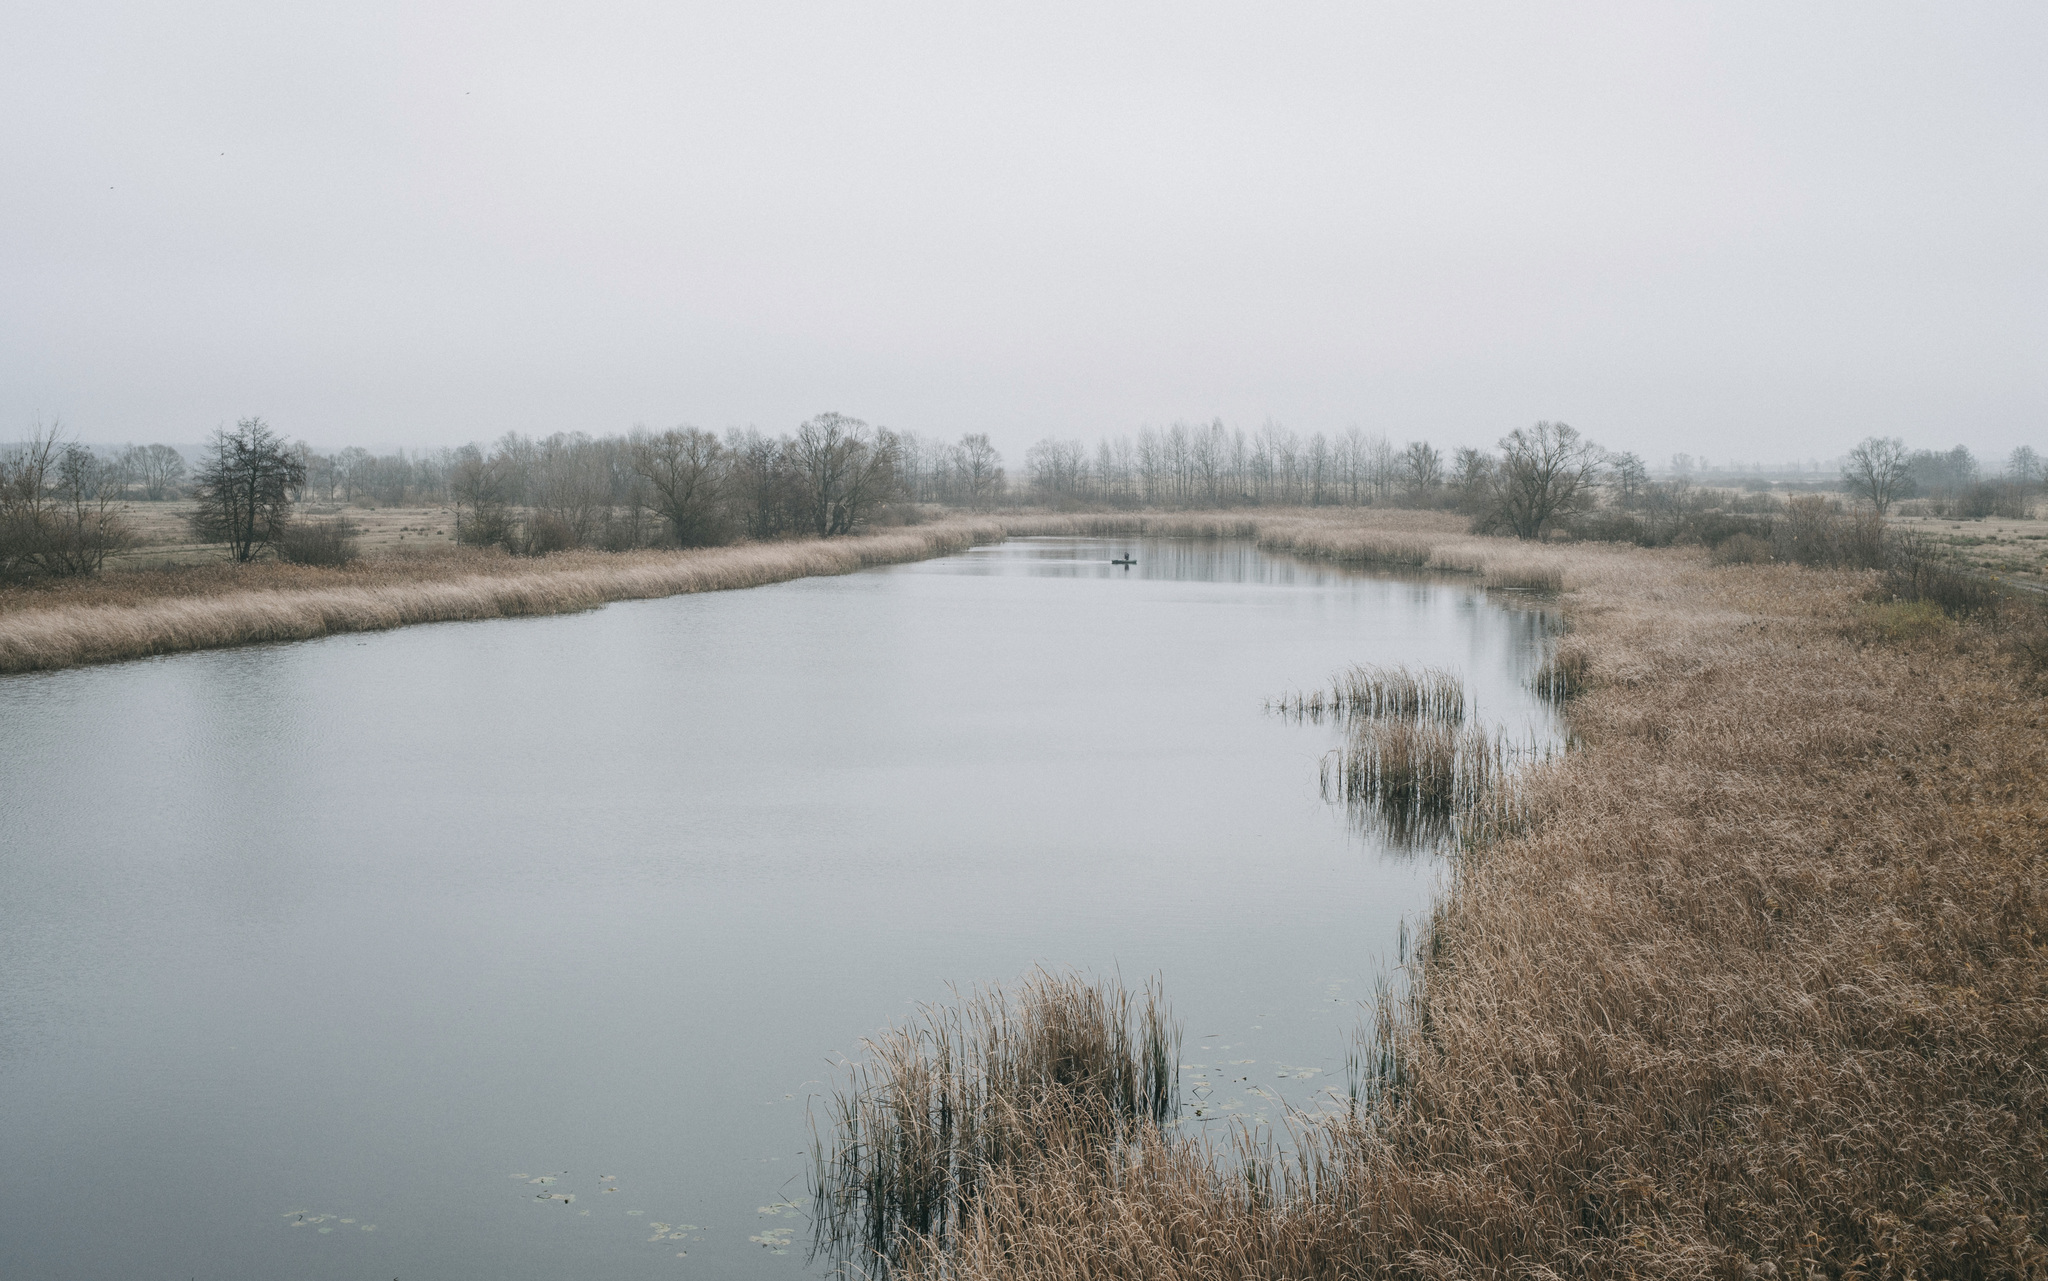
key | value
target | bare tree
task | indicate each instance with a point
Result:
(1058, 470)
(158, 468)
(1876, 470)
(686, 468)
(1631, 476)
(486, 486)
(59, 512)
(846, 470)
(980, 468)
(2023, 467)
(1544, 473)
(244, 486)
(1422, 471)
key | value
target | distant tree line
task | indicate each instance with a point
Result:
(686, 487)
(1882, 472)
(834, 475)
(1211, 465)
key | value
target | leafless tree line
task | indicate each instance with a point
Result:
(1211, 465)
(833, 475)
(691, 488)
(1882, 472)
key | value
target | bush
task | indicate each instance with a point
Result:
(331, 543)
(1712, 528)
(546, 532)
(1742, 549)
(1913, 576)
(1816, 532)
(490, 525)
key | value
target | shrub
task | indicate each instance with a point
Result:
(1816, 532)
(1915, 576)
(330, 543)
(1742, 549)
(489, 525)
(546, 532)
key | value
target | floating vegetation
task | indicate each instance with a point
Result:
(1361, 690)
(323, 1223)
(975, 1093)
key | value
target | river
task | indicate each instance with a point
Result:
(314, 958)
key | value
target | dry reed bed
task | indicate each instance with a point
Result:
(1758, 989)
(136, 614)
(385, 594)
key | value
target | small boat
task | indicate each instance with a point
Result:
(1126, 562)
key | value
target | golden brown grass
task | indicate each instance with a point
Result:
(1756, 989)
(132, 615)
(1057, 1065)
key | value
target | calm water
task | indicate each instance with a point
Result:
(382, 928)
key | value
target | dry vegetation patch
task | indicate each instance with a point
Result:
(1758, 991)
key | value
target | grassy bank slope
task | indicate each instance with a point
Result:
(1760, 992)
(134, 614)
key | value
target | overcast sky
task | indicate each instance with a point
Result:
(1743, 231)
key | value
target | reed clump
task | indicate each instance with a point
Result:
(1367, 690)
(1565, 673)
(1418, 782)
(1526, 578)
(974, 1093)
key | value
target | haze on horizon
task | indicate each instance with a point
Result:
(1739, 230)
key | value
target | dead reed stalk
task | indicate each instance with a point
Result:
(969, 1094)
(1362, 690)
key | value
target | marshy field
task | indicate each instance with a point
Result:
(1752, 987)
(1410, 903)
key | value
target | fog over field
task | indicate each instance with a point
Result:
(1748, 231)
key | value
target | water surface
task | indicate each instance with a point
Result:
(313, 957)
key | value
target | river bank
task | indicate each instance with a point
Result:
(1760, 990)
(132, 614)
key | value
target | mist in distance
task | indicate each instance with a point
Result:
(1738, 231)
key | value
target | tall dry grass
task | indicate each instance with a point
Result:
(136, 615)
(1367, 690)
(1758, 988)
(975, 1091)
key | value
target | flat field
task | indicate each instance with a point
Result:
(163, 531)
(2012, 549)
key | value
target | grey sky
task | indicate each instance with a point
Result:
(1739, 230)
